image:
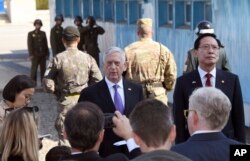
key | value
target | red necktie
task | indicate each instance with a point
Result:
(208, 81)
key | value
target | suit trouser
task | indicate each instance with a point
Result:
(62, 109)
(35, 62)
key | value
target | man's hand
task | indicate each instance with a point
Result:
(122, 126)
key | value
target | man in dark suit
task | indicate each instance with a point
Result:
(84, 128)
(110, 98)
(206, 48)
(208, 113)
(151, 126)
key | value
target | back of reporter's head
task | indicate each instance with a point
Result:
(152, 121)
(83, 124)
(19, 136)
(212, 107)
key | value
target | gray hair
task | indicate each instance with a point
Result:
(212, 105)
(113, 50)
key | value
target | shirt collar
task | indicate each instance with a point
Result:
(203, 73)
(204, 131)
(111, 84)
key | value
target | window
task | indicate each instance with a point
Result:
(165, 13)
(135, 11)
(97, 9)
(122, 8)
(86, 8)
(67, 8)
(109, 10)
(187, 13)
(77, 7)
(59, 7)
(202, 10)
(208, 11)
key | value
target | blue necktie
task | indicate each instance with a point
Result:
(118, 100)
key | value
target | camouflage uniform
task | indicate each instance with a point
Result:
(39, 51)
(66, 76)
(152, 65)
(191, 62)
(56, 40)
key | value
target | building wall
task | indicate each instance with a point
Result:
(229, 17)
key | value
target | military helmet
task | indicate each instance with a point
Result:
(204, 27)
(78, 18)
(38, 21)
(59, 17)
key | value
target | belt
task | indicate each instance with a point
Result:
(73, 94)
(154, 84)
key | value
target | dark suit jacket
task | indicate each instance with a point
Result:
(226, 82)
(93, 156)
(100, 95)
(206, 147)
(161, 155)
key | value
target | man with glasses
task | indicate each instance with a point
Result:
(207, 51)
(208, 113)
(191, 62)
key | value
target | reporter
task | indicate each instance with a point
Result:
(18, 139)
(17, 93)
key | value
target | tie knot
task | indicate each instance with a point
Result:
(115, 86)
(208, 75)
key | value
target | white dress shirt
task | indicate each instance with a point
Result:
(120, 89)
(204, 78)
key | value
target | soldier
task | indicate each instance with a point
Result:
(38, 50)
(78, 22)
(191, 62)
(150, 63)
(67, 74)
(56, 36)
(90, 34)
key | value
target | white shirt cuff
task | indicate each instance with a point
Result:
(131, 144)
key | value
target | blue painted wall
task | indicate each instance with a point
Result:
(231, 20)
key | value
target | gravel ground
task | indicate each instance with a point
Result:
(47, 109)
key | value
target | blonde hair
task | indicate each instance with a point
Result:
(19, 136)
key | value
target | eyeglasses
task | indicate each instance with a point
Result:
(186, 112)
(207, 47)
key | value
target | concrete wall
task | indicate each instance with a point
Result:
(20, 11)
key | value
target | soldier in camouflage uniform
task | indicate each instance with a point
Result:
(38, 50)
(191, 62)
(68, 73)
(56, 36)
(150, 63)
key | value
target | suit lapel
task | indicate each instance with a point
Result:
(220, 79)
(105, 95)
(195, 80)
(127, 96)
